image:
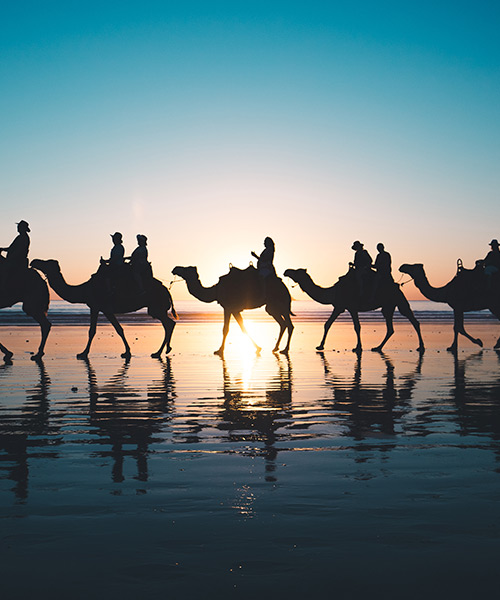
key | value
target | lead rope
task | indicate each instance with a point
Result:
(402, 283)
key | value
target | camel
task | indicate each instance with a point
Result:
(96, 294)
(240, 290)
(467, 291)
(344, 295)
(32, 291)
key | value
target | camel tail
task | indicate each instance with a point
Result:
(172, 309)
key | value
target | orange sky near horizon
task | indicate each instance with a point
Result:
(208, 127)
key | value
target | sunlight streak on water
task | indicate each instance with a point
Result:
(313, 455)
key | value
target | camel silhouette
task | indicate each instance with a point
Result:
(95, 293)
(467, 291)
(30, 289)
(344, 295)
(240, 290)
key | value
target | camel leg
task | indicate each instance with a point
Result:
(285, 323)
(168, 327)
(289, 326)
(496, 311)
(7, 354)
(458, 327)
(92, 330)
(45, 326)
(119, 330)
(357, 329)
(225, 331)
(405, 309)
(335, 313)
(388, 313)
(239, 320)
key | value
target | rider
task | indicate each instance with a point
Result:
(114, 264)
(265, 267)
(16, 260)
(362, 264)
(383, 268)
(491, 262)
(141, 267)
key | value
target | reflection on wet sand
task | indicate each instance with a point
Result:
(122, 416)
(375, 402)
(28, 433)
(254, 416)
(369, 410)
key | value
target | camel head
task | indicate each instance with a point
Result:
(412, 270)
(186, 272)
(295, 274)
(46, 266)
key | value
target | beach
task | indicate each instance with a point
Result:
(328, 473)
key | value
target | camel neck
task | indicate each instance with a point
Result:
(74, 294)
(430, 292)
(201, 293)
(317, 293)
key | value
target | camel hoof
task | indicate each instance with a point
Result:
(497, 346)
(377, 349)
(169, 349)
(38, 356)
(156, 355)
(357, 350)
(452, 349)
(82, 355)
(8, 355)
(219, 352)
(320, 348)
(126, 355)
(478, 342)
(285, 352)
(421, 349)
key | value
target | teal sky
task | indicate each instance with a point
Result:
(209, 125)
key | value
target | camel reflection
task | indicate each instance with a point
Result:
(476, 394)
(370, 410)
(28, 433)
(255, 416)
(127, 421)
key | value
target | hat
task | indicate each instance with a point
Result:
(357, 245)
(494, 243)
(24, 224)
(116, 234)
(141, 236)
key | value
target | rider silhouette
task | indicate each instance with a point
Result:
(16, 260)
(362, 264)
(265, 265)
(383, 263)
(491, 262)
(141, 267)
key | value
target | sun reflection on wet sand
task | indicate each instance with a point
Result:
(207, 463)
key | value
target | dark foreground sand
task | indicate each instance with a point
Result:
(350, 477)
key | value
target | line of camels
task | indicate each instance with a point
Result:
(241, 290)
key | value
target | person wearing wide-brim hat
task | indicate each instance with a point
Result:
(492, 259)
(117, 254)
(17, 253)
(362, 259)
(362, 264)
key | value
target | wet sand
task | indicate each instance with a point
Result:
(196, 476)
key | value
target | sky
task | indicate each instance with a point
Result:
(208, 126)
